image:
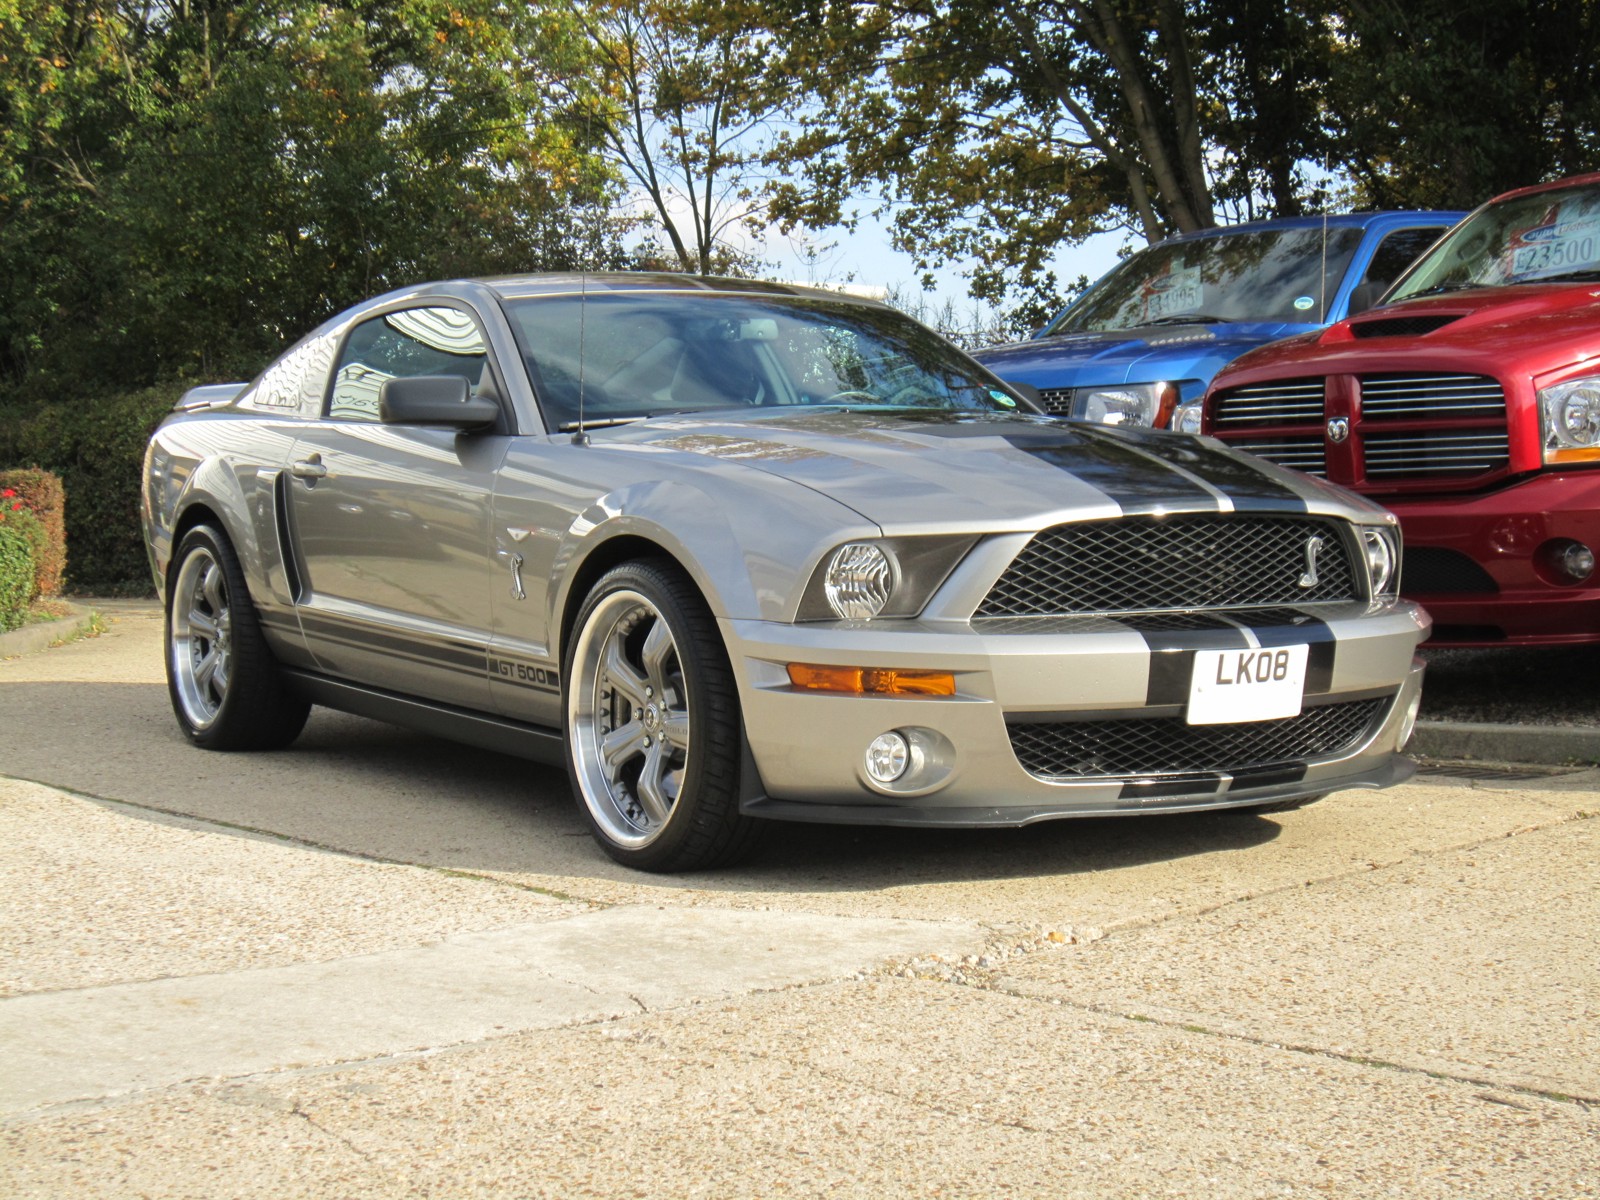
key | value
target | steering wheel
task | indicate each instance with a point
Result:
(852, 394)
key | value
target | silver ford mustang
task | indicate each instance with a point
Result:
(739, 551)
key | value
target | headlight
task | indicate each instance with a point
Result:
(889, 577)
(1381, 548)
(1186, 417)
(1131, 404)
(859, 580)
(1569, 417)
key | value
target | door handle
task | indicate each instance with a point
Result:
(308, 468)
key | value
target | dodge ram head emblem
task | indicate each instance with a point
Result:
(1338, 429)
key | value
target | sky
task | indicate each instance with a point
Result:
(866, 254)
(864, 257)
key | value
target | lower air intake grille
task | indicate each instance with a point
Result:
(1167, 746)
(1434, 570)
(1147, 564)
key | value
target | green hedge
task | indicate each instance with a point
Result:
(96, 445)
(16, 572)
(41, 493)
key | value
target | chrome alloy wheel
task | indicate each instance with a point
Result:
(202, 637)
(628, 718)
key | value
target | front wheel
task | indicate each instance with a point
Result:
(653, 732)
(225, 685)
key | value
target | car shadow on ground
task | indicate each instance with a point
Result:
(372, 789)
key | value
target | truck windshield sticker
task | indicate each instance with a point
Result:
(1565, 238)
(1176, 290)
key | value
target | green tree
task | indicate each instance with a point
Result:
(999, 132)
(682, 107)
(188, 186)
(1444, 103)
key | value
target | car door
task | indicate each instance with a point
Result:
(391, 522)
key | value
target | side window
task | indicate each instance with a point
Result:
(414, 341)
(1394, 254)
(297, 382)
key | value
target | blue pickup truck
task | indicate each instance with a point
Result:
(1140, 346)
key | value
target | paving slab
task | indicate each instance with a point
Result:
(88, 1044)
(94, 893)
(860, 1089)
(1479, 963)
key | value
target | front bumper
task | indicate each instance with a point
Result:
(808, 747)
(1516, 599)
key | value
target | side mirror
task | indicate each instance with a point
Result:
(1365, 295)
(434, 400)
(1029, 393)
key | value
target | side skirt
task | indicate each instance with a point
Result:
(457, 724)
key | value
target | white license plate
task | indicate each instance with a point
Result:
(1247, 685)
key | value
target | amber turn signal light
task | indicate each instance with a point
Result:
(872, 681)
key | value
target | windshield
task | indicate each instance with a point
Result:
(638, 355)
(1262, 275)
(1547, 235)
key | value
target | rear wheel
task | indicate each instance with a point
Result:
(653, 732)
(225, 685)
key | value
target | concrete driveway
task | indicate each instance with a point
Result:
(384, 965)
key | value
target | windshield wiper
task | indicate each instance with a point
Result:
(1190, 319)
(1453, 285)
(598, 423)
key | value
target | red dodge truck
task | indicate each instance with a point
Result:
(1469, 403)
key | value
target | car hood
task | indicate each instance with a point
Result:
(1500, 331)
(1142, 355)
(913, 471)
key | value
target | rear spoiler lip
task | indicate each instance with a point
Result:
(210, 395)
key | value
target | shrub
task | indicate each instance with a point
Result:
(16, 574)
(96, 446)
(41, 493)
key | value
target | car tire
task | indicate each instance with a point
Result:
(226, 688)
(653, 734)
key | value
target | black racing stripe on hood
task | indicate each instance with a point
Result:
(1133, 480)
(1248, 482)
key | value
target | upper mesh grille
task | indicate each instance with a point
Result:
(1142, 564)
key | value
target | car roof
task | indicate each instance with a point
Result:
(1355, 220)
(519, 287)
(1555, 185)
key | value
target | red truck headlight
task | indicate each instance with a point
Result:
(1569, 418)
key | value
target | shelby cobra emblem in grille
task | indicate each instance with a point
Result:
(1313, 548)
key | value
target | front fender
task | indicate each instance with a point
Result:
(750, 558)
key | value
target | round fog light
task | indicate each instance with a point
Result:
(1576, 562)
(888, 757)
